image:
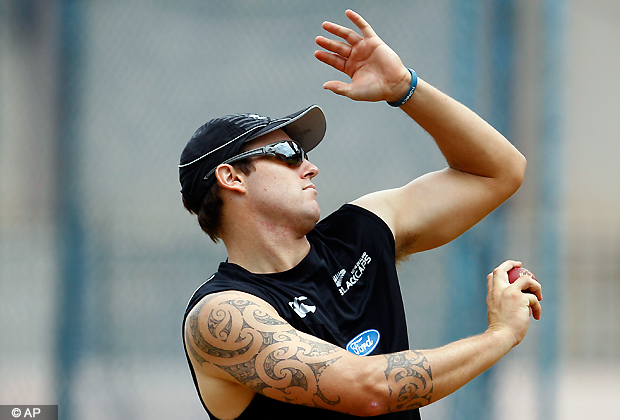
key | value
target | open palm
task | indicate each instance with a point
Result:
(376, 71)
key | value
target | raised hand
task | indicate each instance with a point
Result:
(376, 71)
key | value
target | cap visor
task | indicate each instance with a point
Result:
(307, 127)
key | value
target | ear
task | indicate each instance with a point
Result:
(230, 178)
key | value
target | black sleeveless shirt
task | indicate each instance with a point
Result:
(345, 291)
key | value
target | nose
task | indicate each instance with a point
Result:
(308, 169)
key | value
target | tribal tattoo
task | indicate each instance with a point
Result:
(267, 355)
(410, 380)
(259, 351)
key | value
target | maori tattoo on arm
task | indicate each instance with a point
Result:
(409, 379)
(264, 353)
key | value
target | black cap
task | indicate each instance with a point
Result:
(222, 138)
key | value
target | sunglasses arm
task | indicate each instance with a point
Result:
(250, 153)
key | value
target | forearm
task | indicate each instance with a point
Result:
(468, 143)
(412, 379)
(457, 363)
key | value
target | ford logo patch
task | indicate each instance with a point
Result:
(364, 343)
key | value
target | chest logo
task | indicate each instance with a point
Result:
(301, 308)
(339, 276)
(364, 343)
(356, 274)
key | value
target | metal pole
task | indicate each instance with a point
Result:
(466, 312)
(71, 235)
(552, 217)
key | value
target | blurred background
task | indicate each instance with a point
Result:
(98, 258)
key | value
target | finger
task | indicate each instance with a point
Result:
(509, 265)
(535, 306)
(338, 47)
(528, 284)
(339, 88)
(503, 269)
(345, 33)
(489, 282)
(359, 21)
(333, 60)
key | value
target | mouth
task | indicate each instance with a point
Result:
(310, 187)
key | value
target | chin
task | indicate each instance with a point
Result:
(317, 213)
(311, 219)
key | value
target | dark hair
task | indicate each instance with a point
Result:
(209, 213)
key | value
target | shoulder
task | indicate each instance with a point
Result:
(351, 230)
(380, 204)
(215, 326)
(229, 277)
(234, 303)
(353, 217)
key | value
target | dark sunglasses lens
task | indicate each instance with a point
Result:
(289, 152)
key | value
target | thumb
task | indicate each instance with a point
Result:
(339, 88)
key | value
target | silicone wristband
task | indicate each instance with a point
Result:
(414, 83)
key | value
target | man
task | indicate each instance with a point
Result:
(306, 319)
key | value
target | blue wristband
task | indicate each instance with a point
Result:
(414, 83)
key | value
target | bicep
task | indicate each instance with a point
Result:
(435, 208)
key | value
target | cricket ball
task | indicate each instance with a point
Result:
(517, 272)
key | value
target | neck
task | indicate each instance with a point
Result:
(265, 250)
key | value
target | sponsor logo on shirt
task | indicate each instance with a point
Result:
(364, 343)
(300, 308)
(356, 274)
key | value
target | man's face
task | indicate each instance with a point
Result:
(280, 194)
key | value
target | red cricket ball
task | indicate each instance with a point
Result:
(517, 272)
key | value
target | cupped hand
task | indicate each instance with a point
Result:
(508, 308)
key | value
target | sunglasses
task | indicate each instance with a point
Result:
(286, 151)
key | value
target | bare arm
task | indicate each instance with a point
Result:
(241, 340)
(484, 169)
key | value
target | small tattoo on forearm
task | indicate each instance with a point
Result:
(410, 380)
